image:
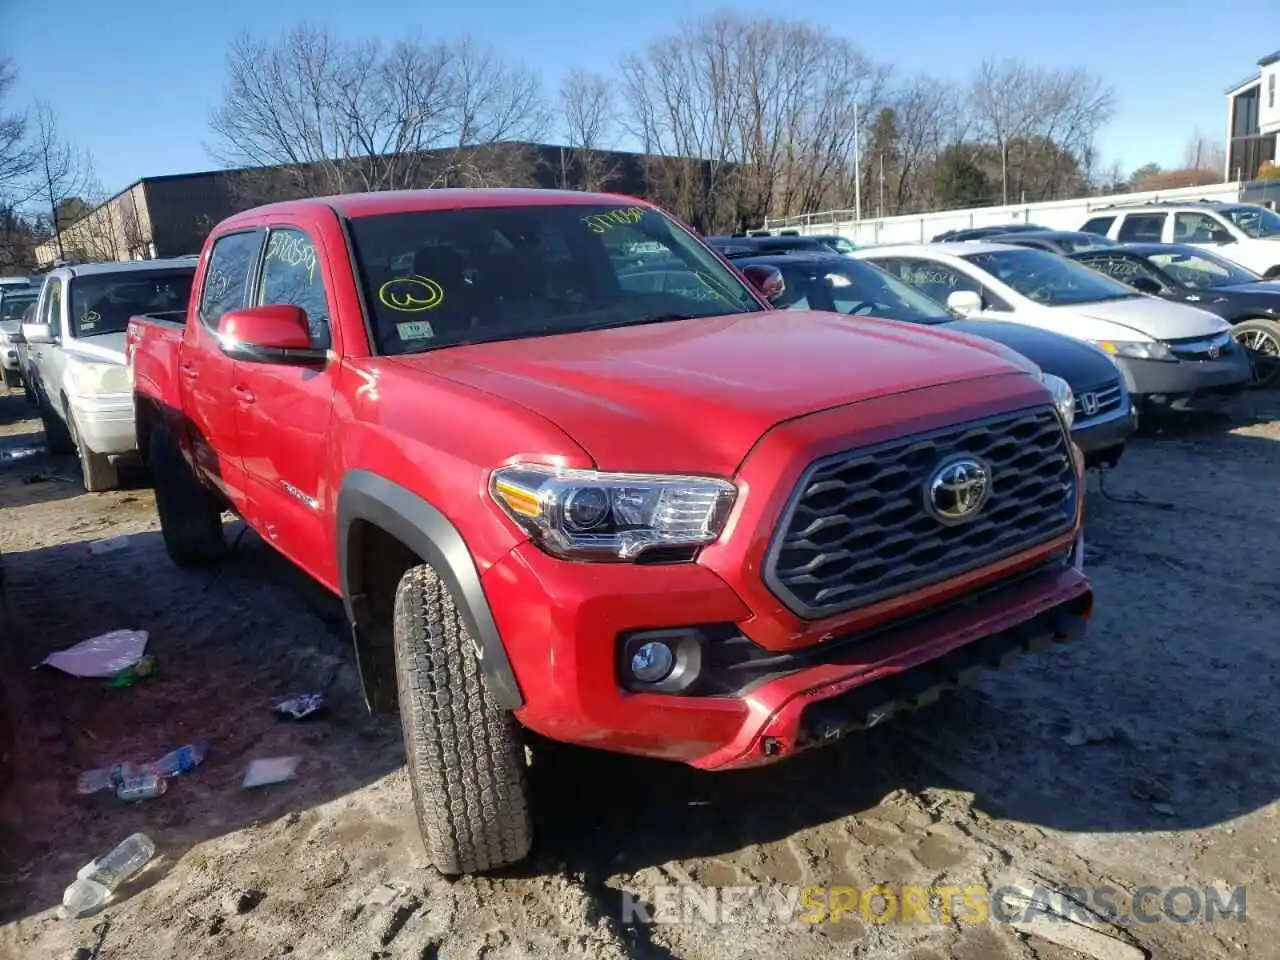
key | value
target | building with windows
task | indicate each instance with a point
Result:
(1253, 120)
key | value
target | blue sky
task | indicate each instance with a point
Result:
(134, 80)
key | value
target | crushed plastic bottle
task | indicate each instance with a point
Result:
(182, 760)
(133, 673)
(146, 787)
(97, 880)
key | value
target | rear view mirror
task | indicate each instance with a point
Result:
(278, 333)
(964, 302)
(38, 333)
(1145, 285)
(766, 280)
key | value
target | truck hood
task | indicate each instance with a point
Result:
(1158, 319)
(696, 395)
(105, 347)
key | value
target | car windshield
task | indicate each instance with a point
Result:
(15, 304)
(853, 287)
(1196, 268)
(103, 303)
(447, 277)
(1254, 221)
(1049, 279)
(1126, 267)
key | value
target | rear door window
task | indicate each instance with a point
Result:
(226, 282)
(1142, 228)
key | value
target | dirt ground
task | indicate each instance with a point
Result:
(1145, 755)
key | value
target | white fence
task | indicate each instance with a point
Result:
(919, 228)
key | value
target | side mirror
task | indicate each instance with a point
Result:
(1145, 285)
(964, 302)
(16, 337)
(767, 280)
(38, 333)
(1221, 236)
(272, 334)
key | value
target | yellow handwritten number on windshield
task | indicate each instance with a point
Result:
(411, 294)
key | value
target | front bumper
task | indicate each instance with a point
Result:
(105, 423)
(1186, 384)
(1104, 437)
(562, 633)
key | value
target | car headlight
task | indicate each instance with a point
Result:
(588, 515)
(87, 378)
(1137, 349)
(1063, 398)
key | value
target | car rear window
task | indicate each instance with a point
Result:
(447, 277)
(103, 303)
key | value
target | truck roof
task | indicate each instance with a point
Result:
(356, 205)
(119, 266)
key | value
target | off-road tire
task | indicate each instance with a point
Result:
(57, 438)
(465, 753)
(190, 516)
(98, 471)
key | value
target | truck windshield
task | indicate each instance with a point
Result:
(13, 305)
(1254, 221)
(1049, 279)
(447, 277)
(103, 303)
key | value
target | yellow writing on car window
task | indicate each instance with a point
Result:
(712, 287)
(293, 250)
(600, 222)
(411, 294)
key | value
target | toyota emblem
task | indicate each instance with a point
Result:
(957, 490)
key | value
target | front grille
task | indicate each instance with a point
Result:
(1106, 399)
(857, 530)
(1202, 348)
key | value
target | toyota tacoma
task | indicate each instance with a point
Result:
(571, 478)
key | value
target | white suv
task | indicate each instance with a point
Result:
(1244, 233)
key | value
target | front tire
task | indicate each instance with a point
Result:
(99, 472)
(1261, 339)
(465, 753)
(190, 516)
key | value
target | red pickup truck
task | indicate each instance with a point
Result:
(571, 474)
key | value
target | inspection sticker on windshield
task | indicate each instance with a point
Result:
(415, 330)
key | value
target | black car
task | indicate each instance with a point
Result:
(739, 246)
(983, 233)
(1189, 274)
(836, 284)
(1061, 242)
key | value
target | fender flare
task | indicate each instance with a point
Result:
(433, 538)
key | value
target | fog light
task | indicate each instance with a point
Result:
(652, 662)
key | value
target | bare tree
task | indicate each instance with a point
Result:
(17, 159)
(61, 172)
(586, 102)
(346, 115)
(749, 117)
(1203, 152)
(1041, 124)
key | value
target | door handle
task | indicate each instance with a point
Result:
(243, 393)
(188, 370)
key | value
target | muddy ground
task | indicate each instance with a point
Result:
(1147, 754)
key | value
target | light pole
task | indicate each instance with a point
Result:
(857, 168)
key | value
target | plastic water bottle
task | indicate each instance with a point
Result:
(97, 880)
(182, 760)
(146, 787)
(91, 781)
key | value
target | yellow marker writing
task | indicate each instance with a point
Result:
(411, 294)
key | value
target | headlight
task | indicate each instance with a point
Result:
(86, 378)
(1063, 398)
(1137, 349)
(587, 515)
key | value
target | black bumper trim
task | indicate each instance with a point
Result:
(825, 721)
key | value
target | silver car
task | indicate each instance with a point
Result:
(76, 355)
(14, 300)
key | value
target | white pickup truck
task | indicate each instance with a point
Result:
(77, 362)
